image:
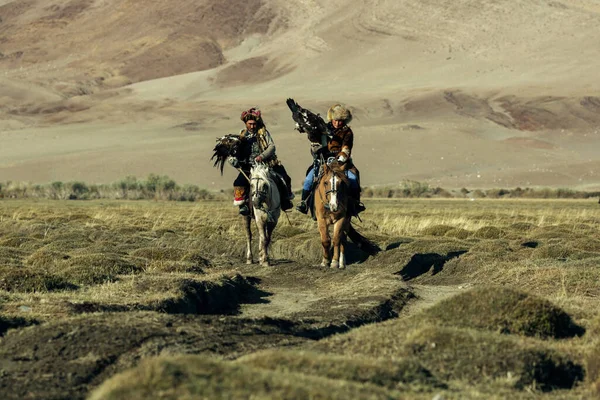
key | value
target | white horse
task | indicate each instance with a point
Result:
(266, 204)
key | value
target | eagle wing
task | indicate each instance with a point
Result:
(308, 122)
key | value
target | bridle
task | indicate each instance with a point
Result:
(332, 192)
(259, 191)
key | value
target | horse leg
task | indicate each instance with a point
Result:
(268, 236)
(338, 252)
(343, 236)
(247, 221)
(325, 241)
(263, 232)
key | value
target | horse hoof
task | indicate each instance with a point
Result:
(342, 266)
(249, 262)
(335, 264)
(324, 264)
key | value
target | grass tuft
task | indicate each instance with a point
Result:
(489, 232)
(201, 377)
(467, 355)
(436, 230)
(28, 280)
(20, 242)
(554, 251)
(159, 253)
(392, 374)
(458, 233)
(11, 256)
(593, 368)
(44, 258)
(521, 227)
(504, 310)
(174, 267)
(93, 269)
(197, 258)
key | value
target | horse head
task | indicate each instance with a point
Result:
(260, 184)
(334, 185)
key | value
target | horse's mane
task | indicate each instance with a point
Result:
(338, 170)
(261, 171)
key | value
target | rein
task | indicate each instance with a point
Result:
(243, 173)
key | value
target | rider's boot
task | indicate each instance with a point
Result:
(302, 206)
(286, 204)
(356, 205)
(239, 199)
(286, 199)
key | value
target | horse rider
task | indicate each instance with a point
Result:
(257, 146)
(338, 145)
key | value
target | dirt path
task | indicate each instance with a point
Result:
(322, 297)
(292, 298)
(427, 296)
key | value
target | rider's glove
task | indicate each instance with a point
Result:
(233, 161)
(342, 158)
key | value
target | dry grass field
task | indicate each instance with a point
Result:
(152, 299)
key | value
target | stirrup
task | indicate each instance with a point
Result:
(244, 210)
(302, 207)
(359, 207)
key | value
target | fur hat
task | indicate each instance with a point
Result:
(339, 112)
(251, 114)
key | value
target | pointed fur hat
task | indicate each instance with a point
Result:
(339, 112)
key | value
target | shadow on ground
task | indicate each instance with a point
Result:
(420, 264)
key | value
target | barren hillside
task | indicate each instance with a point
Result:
(454, 93)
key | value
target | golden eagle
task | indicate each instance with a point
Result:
(227, 146)
(308, 122)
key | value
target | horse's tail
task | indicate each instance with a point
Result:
(362, 242)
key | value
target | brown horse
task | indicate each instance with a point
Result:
(331, 208)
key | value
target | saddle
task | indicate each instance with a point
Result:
(286, 204)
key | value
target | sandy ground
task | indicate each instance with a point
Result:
(453, 93)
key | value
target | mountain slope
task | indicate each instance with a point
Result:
(455, 93)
